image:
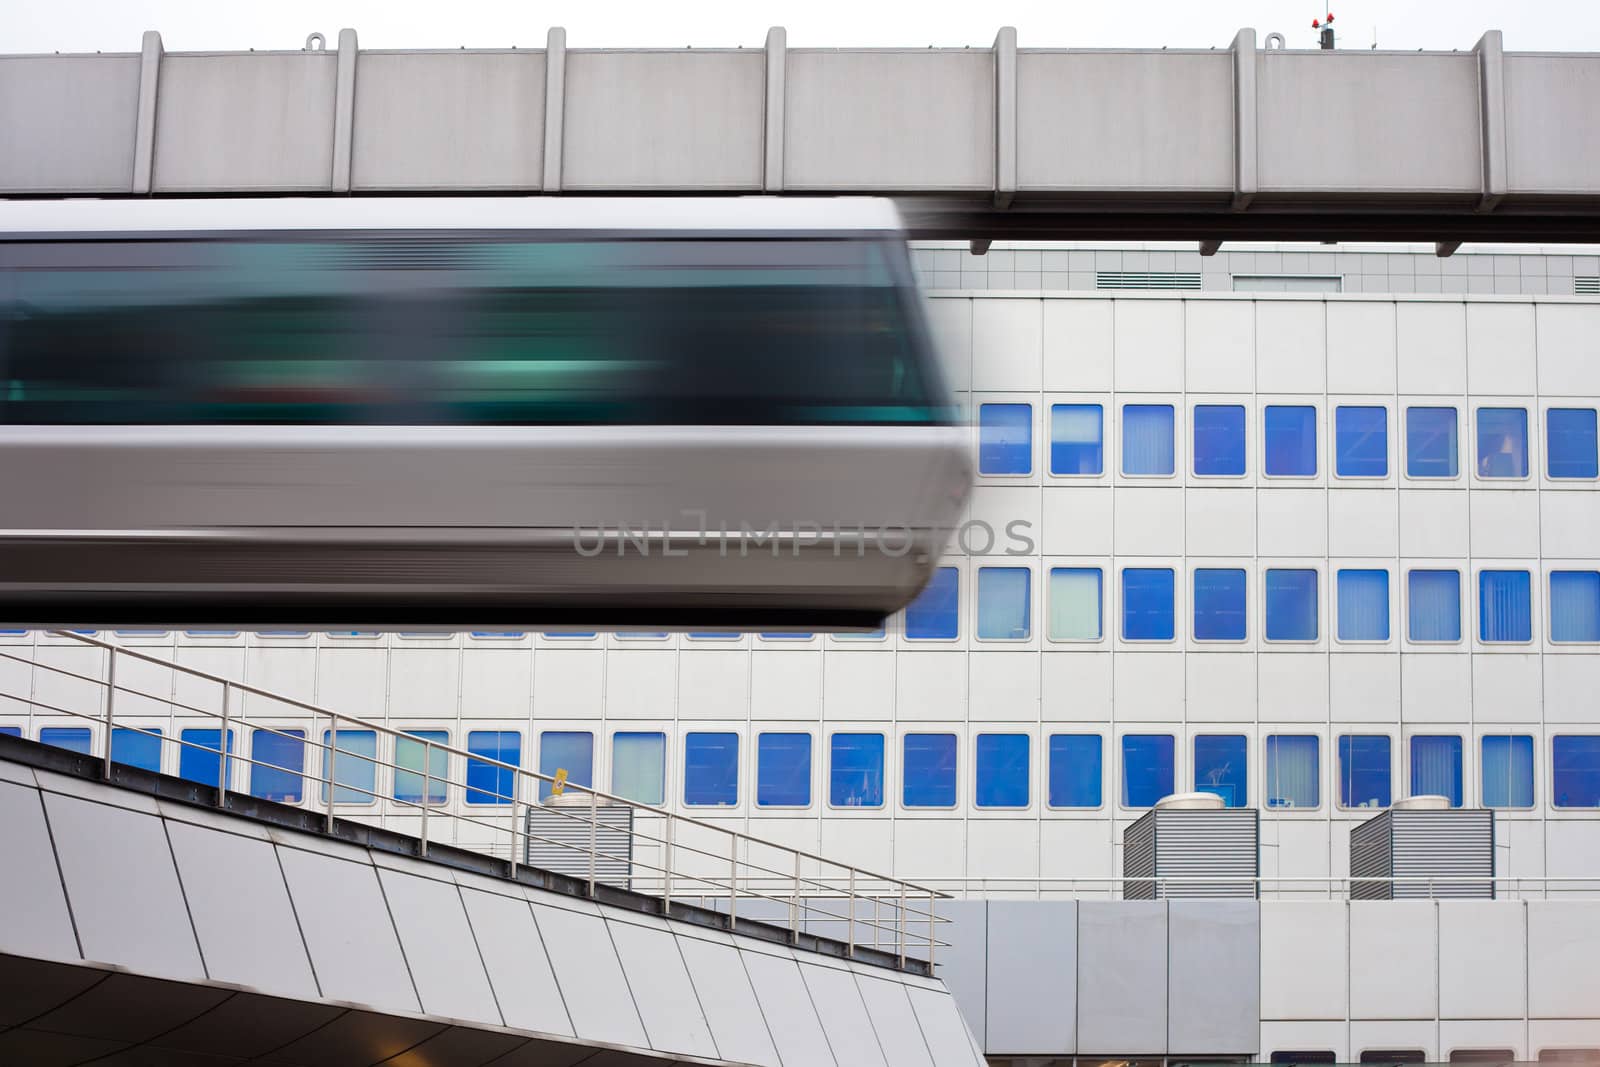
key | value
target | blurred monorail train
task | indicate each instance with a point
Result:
(445, 413)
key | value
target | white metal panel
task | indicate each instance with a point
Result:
(786, 684)
(1148, 686)
(1219, 346)
(1567, 363)
(592, 981)
(1076, 687)
(641, 683)
(729, 1002)
(1482, 959)
(1149, 521)
(1500, 349)
(1431, 348)
(1304, 972)
(1122, 967)
(38, 924)
(1075, 521)
(1007, 337)
(787, 1005)
(440, 949)
(942, 1027)
(1363, 523)
(1563, 943)
(1149, 346)
(1393, 959)
(1291, 346)
(1361, 347)
(1220, 522)
(94, 98)
(1221, 686)
(666, 999)
(1078, 345)
(514, 958)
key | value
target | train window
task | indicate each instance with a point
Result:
(200, 754)
(1147, 596)
(1291, 608)
(1075, 611)
(1291, 776)
(1434, 605)
(711, 769)
(1436, 766)
(1219, 440)
(783, 770)
(1005, 612)
(1075, 770)
(279, 758)
(490, 783)
(1431, 443)
(1507, 766)
(1147, 771)
(71, 738)
(1502, 443)
(1361, 441)
(355, 772)
(1505, 607)
(1005, 438)
(1289, 441)
(409, 753)
(1220, 767)
(1363, 605)
(1364, 770)
(1575, 606)
(1575, 770)
(928, 771)
(1002, 767)
(855, 770)
(1147, 439)
(1221, 607)
(935, 614)
(1570, 443)
(137, 748)
(566, 750)
(1077, 439)
(639, 766)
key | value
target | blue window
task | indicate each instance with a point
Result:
(485, 635)
(935, 614)
(720, 635)
(1505, 611)
(1431, 443)
(1005, 438)
(1434, 608)
(711, 769)
(1507, 771)
(1005, 610)
(1147, 769)
(1001, 764)
(1364, 770)
(1570, 448)
(1220, 767)
(410, 752)
(640, 635)
(11, 731)
(1077, 439)
(1575, 770)
(783, 770)
(355, 774)
(1218, 439)
(1361, 441)
(1290, 440)
(928, 771)
(1502, 443)
(566, 750)
(1147, 597)
(639, 765)
(569, 633)
(1220, 604)
(71, 738)
(1436, 766)
(855, 771)
(1291, 604)
(1363, 605)
(865, 635)
(1075, 770)
(199, 756)
(490, 783)
(1075, 611)
(279, 759)
(1291, 778)
(1147, 439)
(1575, 606)
(137, 748)
(783, 637)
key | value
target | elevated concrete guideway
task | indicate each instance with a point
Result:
(1003, 141)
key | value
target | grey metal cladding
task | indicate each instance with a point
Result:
(412, 128)
(1032, 977)
(123, 889)
(729, 1002)
(899, 1033)
(354, 948)
(1214, 977)
(261, 121)
(241, 910)
(1552, 126)
(844, 1015)
(514, 957)
(946, 1034)
(1189, 844)
(37, 922)
(1122, 976)
(962, 966)
(440, 949)
(666, 999)
(592, 983)
(663, 120)
(787, 1005)
(67, 123)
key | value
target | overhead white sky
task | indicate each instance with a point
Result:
(193, 25)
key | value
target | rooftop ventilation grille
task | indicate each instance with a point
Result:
(1146, 279)
(1589, 286)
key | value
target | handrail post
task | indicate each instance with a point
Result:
(327, 771)
(850, 908)
(111, 696)
(516, 787)
(222, 770)
(901, 926)
(794, 904)
(733, 881)
(427, 793)
(594, 812)
(666, 869)
(932, 940)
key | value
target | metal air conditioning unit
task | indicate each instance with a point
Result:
(1438, 852)
(559, 837)
(1191, 838)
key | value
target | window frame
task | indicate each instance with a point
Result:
(636, 728)
(492, 764)
(1461, 624)
(757, 733)
(1549, 606)
(381, 759)
(1049, 566)
(884, 776)
(1383, 404)
(1355, 730)
(1428, 404)
(960, 633)
(1220, 730)
(1004, 731)
(1045, 756)
(1337, 566)
(1315, 569)
(1195, 567)
(1047, 432)
(293, 733)
(1033, 437)
(1479, 569)
(1244, 444)
(1463, 751)
(1482, 734)
(1270, 732)
(440, 783)
(1569, 809)
(1567, 404)
(1028, 604)
(1143, 730)
(1295, 402)
(738, 766)
(929, 730)
(1529, 431)
(1122, 568)
(1173, 403)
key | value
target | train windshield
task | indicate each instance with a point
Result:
(441, 329)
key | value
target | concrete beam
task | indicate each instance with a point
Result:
(555, 101)
(1246, 181)
(144, 137)
(344, 110)
(1492, 111)
(1005, 116)
(772, 129)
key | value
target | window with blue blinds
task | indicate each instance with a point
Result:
(1220, 767)
(1005, 610)
(1005, 438)
(1436, 766)
(279, 760)
(1431, 443)
(855, 770)
(355, 775)
(1507, 764)
(1575, 606)
(1077, 439)
(411, 752)
(1220, 604)
(566, 750)
(639, 765)
(71, 738)
(1505, 610)
(1001, 765)
(1075, 604)
(1075, 770)
(1291, 778)
(1433, 606)
(1363, 605)
(1364, 770)
(1147, 769)
(711, 769)
(935, 614)
(1147, 604)
(1570, 445)
(1575, 770)
(783, 770)
(1219, 440)
(489, 783)
(1361, 441)
(137, 748)
(1502, 443)
(199, 757)
(928, 771)
(1289, 441)
(1147, 439)
(1291, 595)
